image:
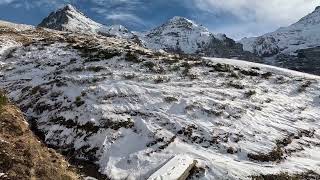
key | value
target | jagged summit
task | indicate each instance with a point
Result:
(286, 40)
(177, 34)
(184, 23)
(182, 35)
(69, 18)
(70, 7)
(287, 46)
(179, 18)
(311, 19)
(181, 22)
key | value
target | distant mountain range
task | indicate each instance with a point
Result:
(295, 47)
(179, 35)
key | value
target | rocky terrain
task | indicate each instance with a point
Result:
(127, 109)
(294, 47)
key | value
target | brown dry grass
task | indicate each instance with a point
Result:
(23, 156)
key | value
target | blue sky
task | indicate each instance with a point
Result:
(236, 18)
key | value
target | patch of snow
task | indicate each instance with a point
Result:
(176, 168)
(17, 27)
(269, 68)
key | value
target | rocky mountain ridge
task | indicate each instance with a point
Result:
(181, 35)
(178, 35)
(284, 46)
(70, 19)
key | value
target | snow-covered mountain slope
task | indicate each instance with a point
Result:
(181, 35)
(129, 110)
(69, 18)
(17, 27)
(287, 40)
(6, 41)
(178, 34)
(295, 47)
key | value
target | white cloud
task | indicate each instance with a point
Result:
(5, 1)
(272, 13)
(124, 17)
(30, 4)
(120, 11)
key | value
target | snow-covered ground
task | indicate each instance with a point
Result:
(130, 110)
(178, 167)
(7, 42)
(276, 70)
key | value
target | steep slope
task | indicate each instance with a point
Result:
(69, 18)
(22, 156)
(181, 35)
(129, 110)
(285, 43)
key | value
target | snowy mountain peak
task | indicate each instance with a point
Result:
(183, 23)
(311, 19)
(179, 19)
(177, 34)
(70, 7)
(284, 46)
(287, 40)
(71, 19)
(182, 35)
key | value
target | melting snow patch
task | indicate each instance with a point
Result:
(177, 168)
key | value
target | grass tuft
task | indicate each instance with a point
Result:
(3, 100)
